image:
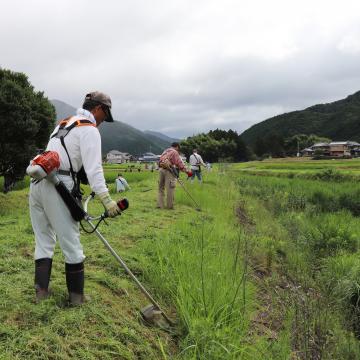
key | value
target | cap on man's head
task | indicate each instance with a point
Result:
(102, 99)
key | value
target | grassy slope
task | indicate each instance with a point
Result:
(201, 266)
(189, 260)
(107, 327)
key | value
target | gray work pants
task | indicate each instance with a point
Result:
(51, 220)
(167, 182)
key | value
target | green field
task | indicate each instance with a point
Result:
(301, 166)
(269, 269)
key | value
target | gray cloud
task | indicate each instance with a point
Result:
(184, 67)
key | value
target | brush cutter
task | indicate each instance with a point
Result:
(152, 314)
(176, 176)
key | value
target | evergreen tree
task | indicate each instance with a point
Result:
(260, 148)
(300, 142)
(26, 120)
(217, 144)
(275, 145)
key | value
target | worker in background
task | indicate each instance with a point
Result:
(196, 162)
(121, 184)
(170, 164)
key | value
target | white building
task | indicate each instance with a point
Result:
(117, 157)
(334, 149)
(149, 157)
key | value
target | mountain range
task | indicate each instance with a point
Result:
(338, 121)
(120, 136)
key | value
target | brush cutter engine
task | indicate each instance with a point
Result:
(43, 164)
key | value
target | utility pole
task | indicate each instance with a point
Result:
(298, 150)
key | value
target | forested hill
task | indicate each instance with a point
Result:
(120, 136)
(123, 137)
(339, 120)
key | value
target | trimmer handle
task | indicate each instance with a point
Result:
(123, 204)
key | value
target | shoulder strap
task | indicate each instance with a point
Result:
(198, 162)
(64, 130)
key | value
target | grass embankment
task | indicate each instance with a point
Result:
(268, 270)
(190, 261)
(308, 254)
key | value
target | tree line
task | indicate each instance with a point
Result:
(220, 145)
(336, 120)
(217, 145)
(274, 145)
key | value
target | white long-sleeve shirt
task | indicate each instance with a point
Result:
(83, 144)
(121, 184)
(195, 161)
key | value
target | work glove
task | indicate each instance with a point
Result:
(110, 205)
(189, 173)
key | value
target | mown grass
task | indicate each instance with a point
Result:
(190, 261)
(107, 327)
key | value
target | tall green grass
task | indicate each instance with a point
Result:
(201, 266)
(315, 248)
(283, 194)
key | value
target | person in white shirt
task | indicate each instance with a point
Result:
(121, 184)
(51, 219)
(196, 162)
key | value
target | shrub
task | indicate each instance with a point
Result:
(324, 200)
(341, 282)
(327, 234)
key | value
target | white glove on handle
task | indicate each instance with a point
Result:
(109, 204)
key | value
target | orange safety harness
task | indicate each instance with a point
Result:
(63, 130)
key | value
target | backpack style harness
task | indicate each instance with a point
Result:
(63, 130)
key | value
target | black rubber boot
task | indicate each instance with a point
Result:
(42, 278)
(75, 283)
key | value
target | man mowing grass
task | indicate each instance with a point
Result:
(170, 164)
(78, 146)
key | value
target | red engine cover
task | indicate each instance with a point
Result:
(48, 160)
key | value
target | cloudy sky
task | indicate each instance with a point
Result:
(187, 66)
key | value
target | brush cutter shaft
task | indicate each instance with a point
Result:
(175, 175)
(88, 219)
(128, 271)
(184, 188)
